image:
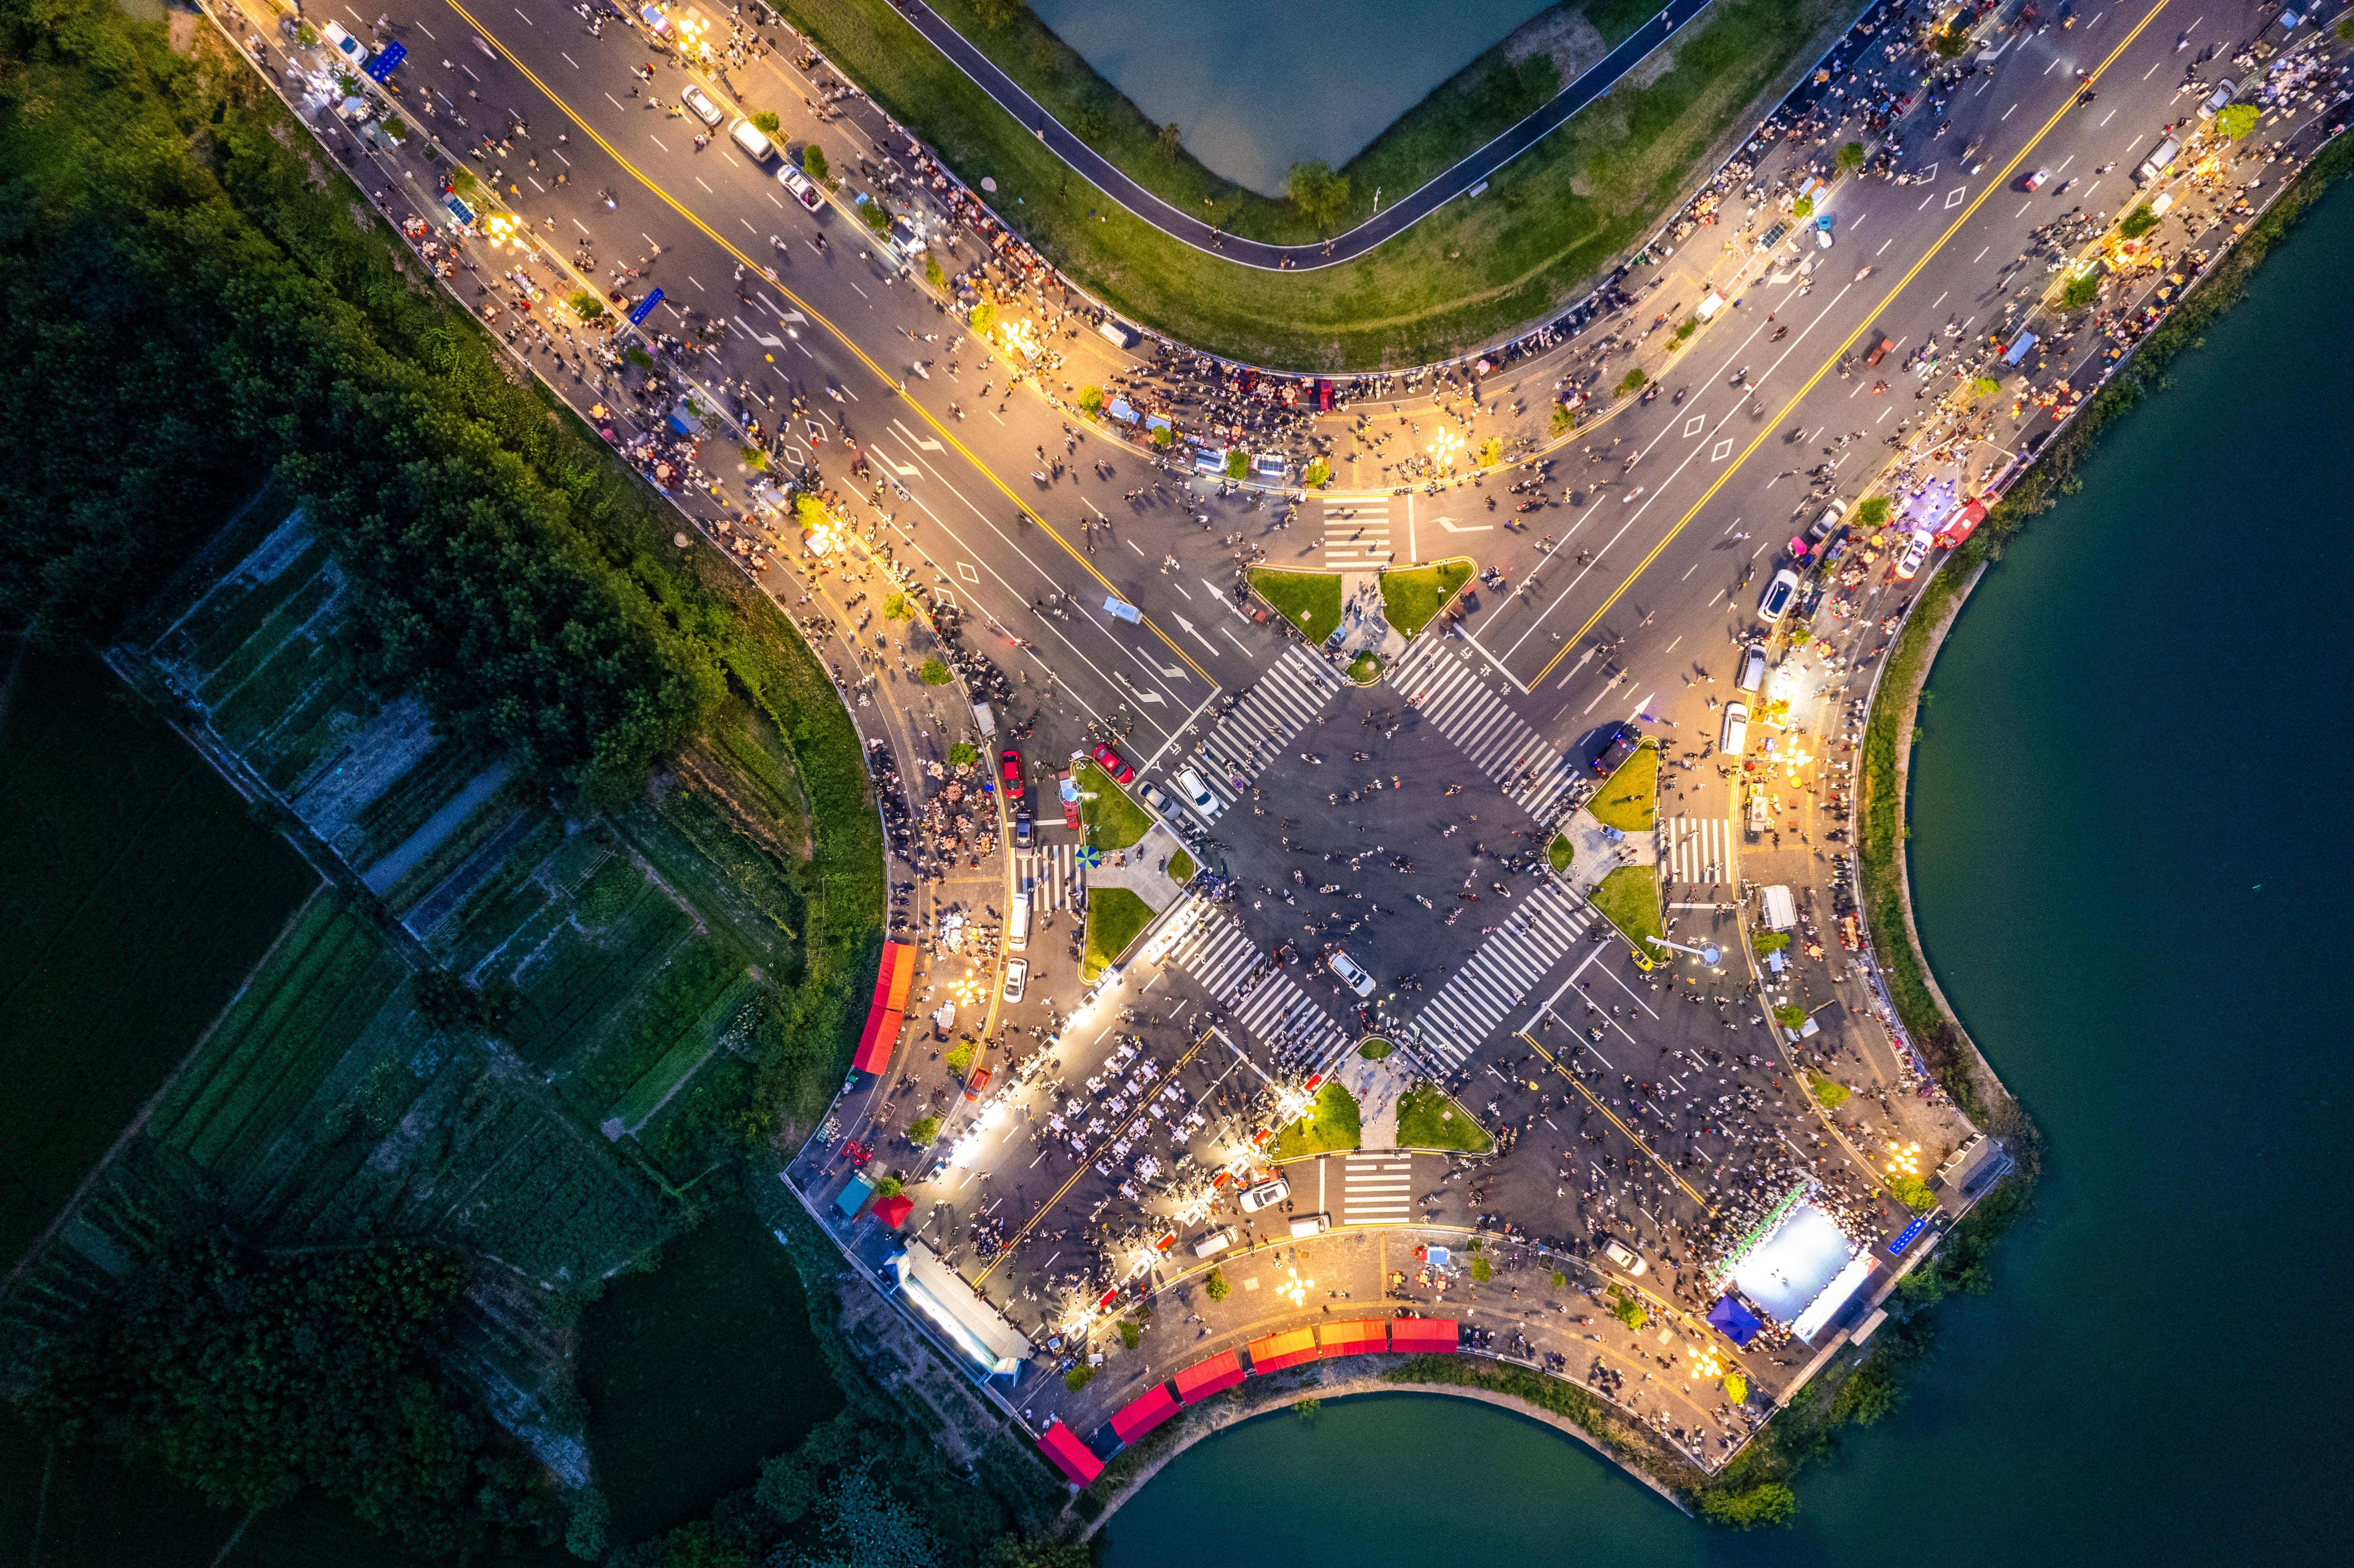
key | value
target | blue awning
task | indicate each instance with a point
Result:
(1738, 1323)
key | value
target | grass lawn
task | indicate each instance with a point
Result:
(1629, 899)
(1559, 854)
(1376, 1050)
(1114, 822)
(135, 896)
(1428, 1118)
(1310, 600)
(1547, 223)
(1114, 917)
(1628, 799)
(1410, 598)
(1181, 868)
(1364, 667)
(1331, 1124)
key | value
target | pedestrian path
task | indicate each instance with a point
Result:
(1046, 874)
(1210, 944)
(1448, 690)
(1501, 974)
(1696, 849)
(1377, 1189)
(1357, 534)
(1273, 709)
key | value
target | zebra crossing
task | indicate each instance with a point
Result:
(1255, 991)
(1276, 707)
(1376, 1189)
(1496, 740)
(1047, 874)
(1696, 849)
(1357, 534)
(1502, 973)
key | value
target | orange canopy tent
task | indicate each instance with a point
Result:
(1366, 1335)
(887, 1010)
(1424, 1335)
(1277, 1351)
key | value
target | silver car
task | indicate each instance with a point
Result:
(1197, 795)
(1352, 974)
(698, 103)
(1260, 1197)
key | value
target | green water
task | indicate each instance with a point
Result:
(2127, 823)
(697, 1372)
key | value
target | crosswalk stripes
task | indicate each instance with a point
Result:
(1276, 707)
(1255, 991)
(1357, 534)
(1376, 1189)
(1047, 874)
(1696, 849)
(1502, 973)
(1494, 739)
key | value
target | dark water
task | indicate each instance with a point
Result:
(2129, 809)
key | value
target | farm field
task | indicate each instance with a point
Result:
(135, 896)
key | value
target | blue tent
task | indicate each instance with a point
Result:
(1739, 1324)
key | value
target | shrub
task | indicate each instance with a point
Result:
(895, 608)
(1790, 1015)
(586, 305)
(982, 318)
(1237, 463)
(963, 754)
(1766, 942)
(2237, 121)
(1078, 1377)
(960, 1057)
(2137, 222)
(889, 1187)
(1215, 1287)
(1483, 1270)
(1320, 473)
(1804, 208)
(999, 14)
(1632, 381)
(1318, 194)
(1163, 437)
(1869, 513)
(1559, 1279)
(1627, 1310)
(813, 161)
(1686, 327)
(767, 120)
(934, 674)
(395, 129)
(2082, 291)
(872, 215)
(1850, 157)
(1091, 398)
(1829, 1091)
(1737, 1388)
(1131, 1334)
(1951, 43)
(923, 1129)
(1560, 422)
(1770, 1503)
(1984, 386)
(932, 273)
(1913, 1193)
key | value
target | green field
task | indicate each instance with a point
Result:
(1331, 1124)
(1629, 799)
(1629, 899)
(1411, 597)
(1114, 916)
(1428, 1118)
(1311, 601)
(134, 895)
(1114, 822)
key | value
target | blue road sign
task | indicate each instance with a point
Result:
(645, 308)
(385, 60)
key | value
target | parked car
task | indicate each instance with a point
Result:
(803, 188)
(1916, 550)
(1109, 760)
(1197, 795)
(1153, 796)
(2218, 100)
(343, 44)
(752, 141)
(1023, 833)
(1618, 744)
(1017, 979)
(1310, 1225)
(1753, 669)
(1252, 1200)
(1214, 1242)
(1352, 974)
(1009, 769)
(698, 103)
(1733, 738)
(1775, 603)
(1617, 1251)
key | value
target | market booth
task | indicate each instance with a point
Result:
(1203, 1379)
(1277, 1351)
(887, 1010)
(1368, 1336)
(1145, 1412)
(1425, 1336)
(1071, 1457)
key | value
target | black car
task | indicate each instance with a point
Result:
(1619, 743)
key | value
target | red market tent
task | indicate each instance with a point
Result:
(1423, 1335)
(1145, 1412)
(894, 1210)
(885, 1014)
(1277, 1351)
(1365, 1336)
(1071, 1457)
(1203, 1379)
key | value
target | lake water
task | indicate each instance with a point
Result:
(1257, 91)
(2129, 830)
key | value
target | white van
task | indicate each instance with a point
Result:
(753, 140)
(1017, 924)
(2155, 164)
(1753, 669)
(1216, 1241)
(1310, 1225)
(1735, 737)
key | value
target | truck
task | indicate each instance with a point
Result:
(1879, 350)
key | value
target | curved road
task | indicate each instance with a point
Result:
(1472, 171)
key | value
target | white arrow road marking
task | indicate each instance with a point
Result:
(1574, 669)
(1137, 691)
(1452, 526)
(1195, 635)
(763, 339)
(920, 443)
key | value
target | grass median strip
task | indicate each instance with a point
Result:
(1410, 598)
(1428, 1118)
(1629, 799)
(1311, 601)
(1330, 1125)
(1629, 899)
(1114, 822)
(1114, 916)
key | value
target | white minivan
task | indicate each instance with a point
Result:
(1736, 729)
(1017, 924)
(753, 140)
(1216, 1241)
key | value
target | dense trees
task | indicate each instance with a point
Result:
(250, 1377)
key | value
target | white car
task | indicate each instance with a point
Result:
(1253, 1200)
(1775, 603)
(1616, 1253)
(1351, 976)
(804, 189)
(753, 141)
(354, 51)
(1197, 795)
(2218, 100)
(1916, 550)
(1734, 738)
(1017, 979)
(698, 103)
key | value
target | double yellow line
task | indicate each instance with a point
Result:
(1849, 341)
(819, 319)
(1632, 1136)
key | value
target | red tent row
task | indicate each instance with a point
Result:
(1423, 1336)
(1203, 1379)
(888, 1010)
(1145, 1412)
(1362, 1337)
(1277, 1351)
(1070, 1456)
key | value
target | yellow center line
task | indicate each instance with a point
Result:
(1632, 1136)
(1861, 327)
(819, 318)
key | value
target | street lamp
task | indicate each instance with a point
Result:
(1708, 953)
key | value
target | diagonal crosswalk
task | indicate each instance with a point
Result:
(1501, 974)
(1376, 1189)
(1210, 944)
(1357, 534)
(1498, 741)
(1696, 849)
(1273, 709)
(1047, 874)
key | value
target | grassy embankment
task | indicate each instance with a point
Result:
(1412, 596)
(1428, 1118)
(1331, 1124)
(1311, 601)
(1114, 916)
(1546, 224)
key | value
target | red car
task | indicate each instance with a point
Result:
(1109, 760)
(1009, 769)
